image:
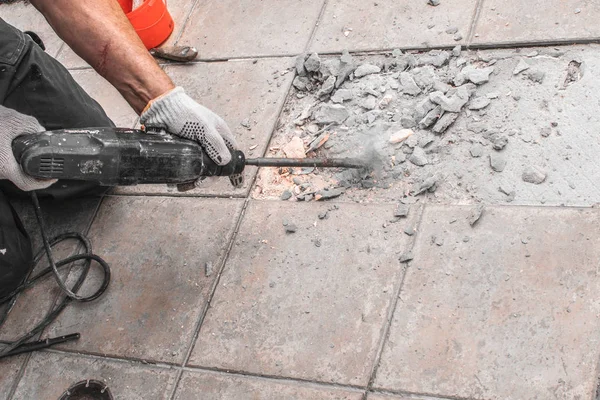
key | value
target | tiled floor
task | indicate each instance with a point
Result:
(210, 297)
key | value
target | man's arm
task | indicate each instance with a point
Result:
(100, 33)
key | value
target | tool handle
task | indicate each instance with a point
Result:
(115, 157)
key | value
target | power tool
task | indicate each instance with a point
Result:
(118, 156)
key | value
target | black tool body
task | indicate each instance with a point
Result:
(116, 157)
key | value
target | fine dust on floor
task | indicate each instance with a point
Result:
(515, 126)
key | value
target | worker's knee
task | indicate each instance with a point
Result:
(16, 258)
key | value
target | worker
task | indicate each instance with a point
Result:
(37, 93)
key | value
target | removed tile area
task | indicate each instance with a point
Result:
(506, 309)
(449, 127)
(220, 386)
(310, 304)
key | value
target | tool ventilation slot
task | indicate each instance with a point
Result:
(52, 165)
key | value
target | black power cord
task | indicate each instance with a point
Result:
(21, 345)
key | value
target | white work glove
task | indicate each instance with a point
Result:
(13, 124)
(180, 115)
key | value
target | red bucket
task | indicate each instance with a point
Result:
(151, 21)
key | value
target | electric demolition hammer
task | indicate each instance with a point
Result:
(117, 157)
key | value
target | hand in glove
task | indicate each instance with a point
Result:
(180, 115)
(13, 124)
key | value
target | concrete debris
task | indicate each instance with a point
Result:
(458, 37)
(574, 73)
(347, 67)
(437, 58)
(401, 210)
(409, 231)
(327, 194)
(444, 122)
(476, 150)
(536, 75)
(520, 67)
(302, 83)
(429, 184)
(294, 148)
(366, 69)
(342, 95)
(323, 215)
(479, 103)
(418, 157)
(369, 103)
(510, 194)
(286, 195)
(456, 51)
(313, 63)
(406, 257)
(300, 70)
(430, 118)
(497, 161)
(533, 174)
(476, 215)
(434, 3)
(499, 141)
(452, 30)
(454, 103)
(477, 75)
(290, 228)
(439, 86)
(400, 136)
(385, 101)
(331, 114)
(327, 87)
(408, 85)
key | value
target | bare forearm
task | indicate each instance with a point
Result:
(99, 32)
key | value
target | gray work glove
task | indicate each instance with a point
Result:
(180, 115)
(13, 124)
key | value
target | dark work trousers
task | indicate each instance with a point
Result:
(34, 83)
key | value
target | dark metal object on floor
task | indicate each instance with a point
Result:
(307, 162)
(175, 53)
(89, 389)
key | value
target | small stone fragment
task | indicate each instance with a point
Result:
(312, 63)
(510, 194)
(536, 75)
(497, 162)
(327, 194)
(290, 228)
(400, 136)
(430, 118)
(444, 122)
(408, 85)
(442, 87)
(286, 195)
(341, 95)
(499, 141)
(456, 50)
(327, 87)
(418, 157)
(366, 69)
(433, 2)
(323, 215)
(406, 257)
(331, 113)
(533, 174)
(429, 184)
(294, 148)
(302, 83)
(476, 151)
(457, 36)
(369, 103)
(520, 67)
(409, 231)
(478, 103)
(454, 103)
(401, 210)
(300, 70)
(452, 30)
(477, 75)
(208, 269)
(347, 67)
(475, 215)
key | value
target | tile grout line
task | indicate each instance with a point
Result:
(313, 33)
(474, 22)
(393, 306)
(185, 22)
(231, 243)
(29, 355)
